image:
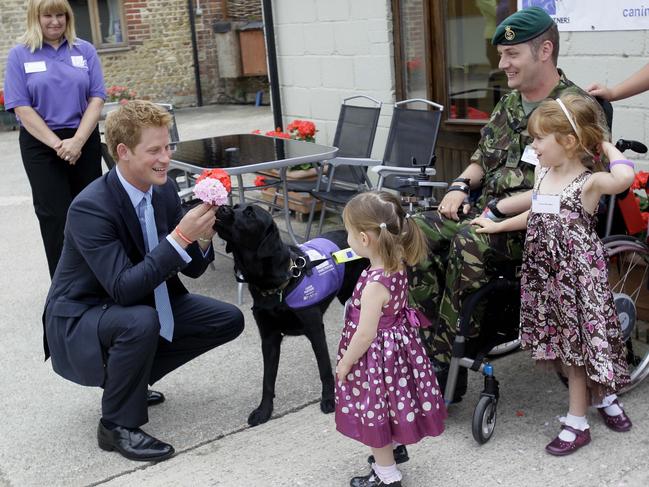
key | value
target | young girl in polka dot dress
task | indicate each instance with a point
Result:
(387, 395)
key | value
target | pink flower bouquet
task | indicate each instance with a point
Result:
(213, 187)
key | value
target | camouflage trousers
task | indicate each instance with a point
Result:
(459, 262)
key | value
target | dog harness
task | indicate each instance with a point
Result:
(325, 278)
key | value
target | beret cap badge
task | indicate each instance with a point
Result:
(522, 26)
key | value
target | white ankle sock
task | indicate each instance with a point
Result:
(609, 408)
(387, 474)
(577, 422)
(613, 410)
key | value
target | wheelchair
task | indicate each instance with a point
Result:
(496, 306)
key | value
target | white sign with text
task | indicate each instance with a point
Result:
(594, 15)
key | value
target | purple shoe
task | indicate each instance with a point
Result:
(559, 447)
(619, 423)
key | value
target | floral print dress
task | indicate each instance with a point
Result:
(391, 393)
(567, 309)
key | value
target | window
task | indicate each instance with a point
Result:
(475, 84)
(443, 52)
(412, 48)
(100, 22)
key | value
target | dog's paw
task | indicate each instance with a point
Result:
(327, 406)
(259, 416)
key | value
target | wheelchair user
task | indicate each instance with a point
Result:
(503, 165)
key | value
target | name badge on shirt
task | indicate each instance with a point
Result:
(529, 156)
(35, 67)
(546, 203)
(79, 62)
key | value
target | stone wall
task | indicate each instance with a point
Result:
(158, 64)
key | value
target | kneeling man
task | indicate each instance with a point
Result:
(117, 315)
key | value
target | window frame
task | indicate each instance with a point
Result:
(95, 28)
(437, 77)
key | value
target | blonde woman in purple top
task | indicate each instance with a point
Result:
(54, 85)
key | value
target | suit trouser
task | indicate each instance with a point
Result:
(55, 183)
(135, 355)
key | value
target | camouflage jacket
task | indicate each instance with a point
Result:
(503, 141)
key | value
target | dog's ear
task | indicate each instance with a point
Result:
(271, 245)
(268, 246)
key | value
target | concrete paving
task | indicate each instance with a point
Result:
(47, 432)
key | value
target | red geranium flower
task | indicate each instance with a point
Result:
(302, 130)
(278, 133)
(260, 181)
(640, 180)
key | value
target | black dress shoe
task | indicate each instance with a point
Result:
(133, 443)
(372, 480)
(154, 397)
(400, 455)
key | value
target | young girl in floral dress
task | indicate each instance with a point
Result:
(386, 393)
(568, 316)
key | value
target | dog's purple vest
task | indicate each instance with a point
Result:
(325, 279)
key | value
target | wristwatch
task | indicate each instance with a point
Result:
(493, 206)
(464, 189)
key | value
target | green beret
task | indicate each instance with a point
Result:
(522, 26)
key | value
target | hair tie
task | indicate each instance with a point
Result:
(382, 225)
(568, 116)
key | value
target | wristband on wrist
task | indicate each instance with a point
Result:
(493, 207)
(626, 162)
(466, 181)
(464, 189)
(183, 237)
(489, 214)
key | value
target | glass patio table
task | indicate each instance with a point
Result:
(248, 153)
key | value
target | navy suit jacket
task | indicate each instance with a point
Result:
(104, 263)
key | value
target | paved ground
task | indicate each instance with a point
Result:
(47, 432)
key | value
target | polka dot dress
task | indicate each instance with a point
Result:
(391, 393)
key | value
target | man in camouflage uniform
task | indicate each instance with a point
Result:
(461, 260)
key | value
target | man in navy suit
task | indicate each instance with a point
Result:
(117, 315)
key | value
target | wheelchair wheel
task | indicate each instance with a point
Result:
(484, 419)
(628, 276)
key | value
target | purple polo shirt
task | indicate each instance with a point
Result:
(57, 83)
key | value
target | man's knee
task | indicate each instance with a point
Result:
(235, 319)
(142, 322)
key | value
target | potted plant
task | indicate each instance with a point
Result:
(297, 130)
(299, 202)
(121, 94)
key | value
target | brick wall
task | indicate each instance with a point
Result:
(159, 62)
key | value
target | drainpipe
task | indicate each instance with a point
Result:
(197, 71)
(271, 54)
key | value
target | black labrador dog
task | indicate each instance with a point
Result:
(291, 288)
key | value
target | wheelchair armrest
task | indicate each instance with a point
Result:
(390, 170)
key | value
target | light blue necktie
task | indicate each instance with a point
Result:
(162, 303)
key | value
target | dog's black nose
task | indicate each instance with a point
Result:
(223, 211)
